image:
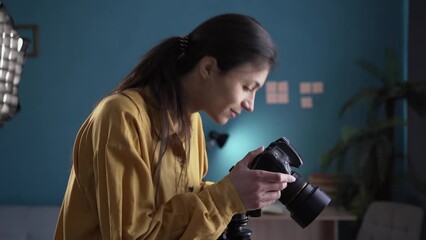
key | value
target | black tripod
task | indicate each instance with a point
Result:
(236, 228)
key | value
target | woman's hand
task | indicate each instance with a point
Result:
(257, 188)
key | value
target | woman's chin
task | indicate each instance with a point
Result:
(220, 120)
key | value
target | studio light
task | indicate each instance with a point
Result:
(12, 55)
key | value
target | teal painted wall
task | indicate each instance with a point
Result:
(86, 48)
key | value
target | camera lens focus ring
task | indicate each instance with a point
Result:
(292, 189)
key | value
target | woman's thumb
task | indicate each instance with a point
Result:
(248, 159)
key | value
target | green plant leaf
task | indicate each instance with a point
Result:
(362, 155)
(348, 132)
(372, 69)
(362, 95)
(337, 150)
(385, 124)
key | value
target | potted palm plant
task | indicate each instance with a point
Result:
(371, 150)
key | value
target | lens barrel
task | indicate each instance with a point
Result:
(304, 201)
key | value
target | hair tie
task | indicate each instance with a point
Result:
(184, 42)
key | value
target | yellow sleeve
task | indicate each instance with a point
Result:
(125, 189)
(199, 216)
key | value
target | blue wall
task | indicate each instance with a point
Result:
(86, 47)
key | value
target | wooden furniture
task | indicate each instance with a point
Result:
(276, 223)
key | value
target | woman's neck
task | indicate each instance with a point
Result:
(192, 92)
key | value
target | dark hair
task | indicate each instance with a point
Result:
(232, 39)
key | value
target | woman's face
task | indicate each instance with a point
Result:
(234, 91)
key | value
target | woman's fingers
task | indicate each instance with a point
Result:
(257, 188)
(272, 177)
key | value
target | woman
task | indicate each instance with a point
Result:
(139, 158)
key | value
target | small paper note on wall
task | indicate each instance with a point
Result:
(277, 92)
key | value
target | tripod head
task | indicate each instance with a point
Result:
(236, 228)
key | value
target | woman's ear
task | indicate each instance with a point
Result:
(207, 66)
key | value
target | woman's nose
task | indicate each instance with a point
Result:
(248, 103)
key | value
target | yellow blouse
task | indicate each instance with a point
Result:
(112, 193)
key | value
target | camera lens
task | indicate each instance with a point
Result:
(304, 201)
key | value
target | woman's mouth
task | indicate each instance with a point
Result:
(233, 114)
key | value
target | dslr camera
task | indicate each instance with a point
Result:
(304, 201)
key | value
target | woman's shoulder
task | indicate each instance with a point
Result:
(196, 121)
(125, 101)
(196, 117)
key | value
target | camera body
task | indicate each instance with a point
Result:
(279, 156)
(304, 201)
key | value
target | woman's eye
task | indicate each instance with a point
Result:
(248, 89)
